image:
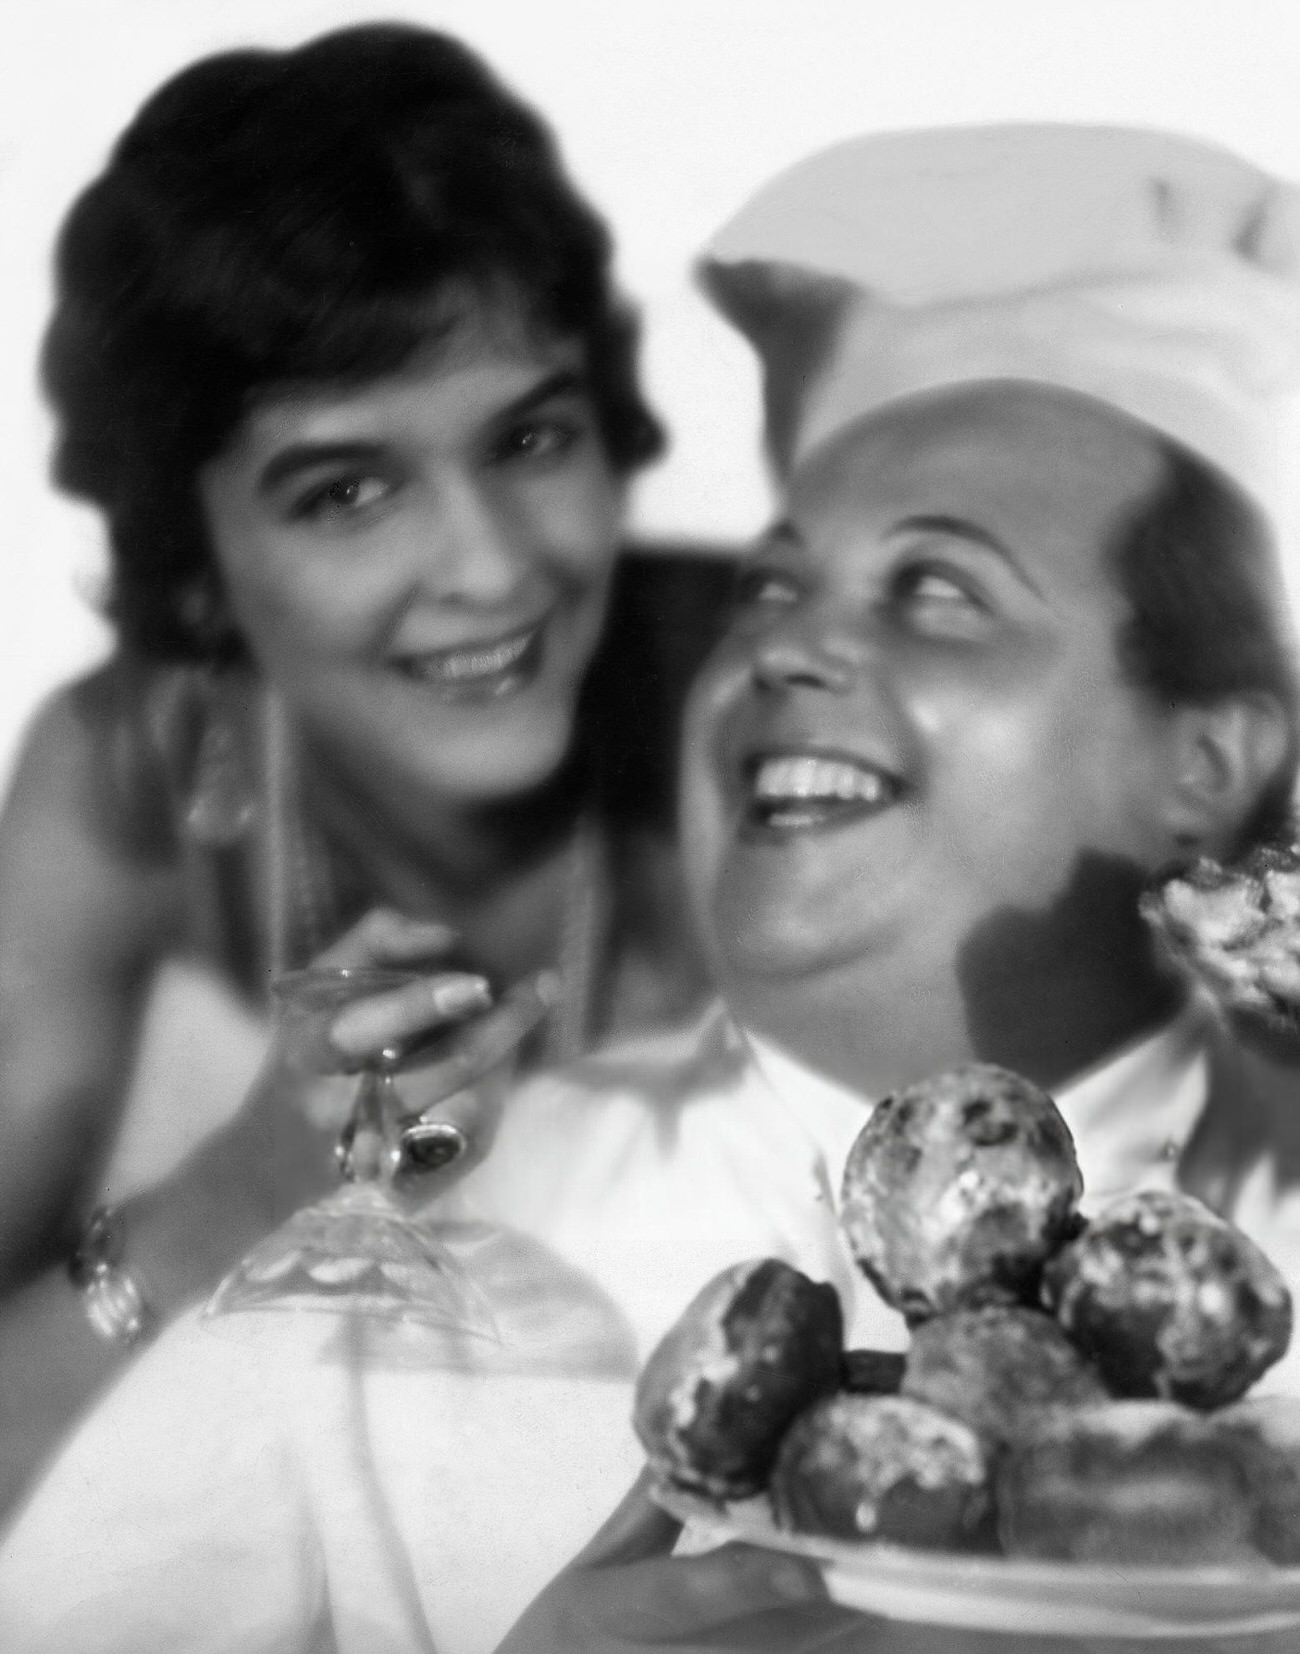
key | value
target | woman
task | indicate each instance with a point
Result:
(337, 354)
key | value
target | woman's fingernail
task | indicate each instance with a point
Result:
(429, 930)
(458, 995)
(549, 987)
(353, 1032)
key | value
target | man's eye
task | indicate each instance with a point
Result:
(538, 439)
(939, 600)
(342, 497)
(930, 586)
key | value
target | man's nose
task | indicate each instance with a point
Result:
(472, 550)
(811, 650)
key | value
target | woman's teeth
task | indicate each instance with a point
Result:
(807, 791)
(466, 667)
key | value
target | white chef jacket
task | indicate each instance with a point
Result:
(301, 1483)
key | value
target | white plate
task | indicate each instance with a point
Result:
(989, 1593)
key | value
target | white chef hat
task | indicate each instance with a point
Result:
(1155, 272)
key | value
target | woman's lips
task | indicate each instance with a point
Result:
(798, 792)
(479, 670)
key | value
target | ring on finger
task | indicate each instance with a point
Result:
(429, 1145)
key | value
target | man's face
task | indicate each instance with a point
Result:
(918, 720)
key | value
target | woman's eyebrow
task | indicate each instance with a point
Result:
(297, 457)
(564, 382)
(962, 528)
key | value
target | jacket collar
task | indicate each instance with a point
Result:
(1252, 1111)
(1131, 1115)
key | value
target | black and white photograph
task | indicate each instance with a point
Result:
(649, 844)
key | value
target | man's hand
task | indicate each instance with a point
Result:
(627, 1592)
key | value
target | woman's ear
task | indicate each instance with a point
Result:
(1224, 757)
(205, 617)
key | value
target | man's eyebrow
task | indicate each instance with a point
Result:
(962, 528)
(296, 457)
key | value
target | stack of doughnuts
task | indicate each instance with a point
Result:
(1072, 1388)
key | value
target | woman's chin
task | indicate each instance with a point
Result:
(471, 757)
(503, 763)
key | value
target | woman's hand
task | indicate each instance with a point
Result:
(627, 1592)
(450, 1036)
(276, 1154)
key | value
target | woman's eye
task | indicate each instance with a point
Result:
(342, 497)
(538, 439)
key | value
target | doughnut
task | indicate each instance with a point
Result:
(1170, 1301)
(871, 1372)
(882, 1467)
(957, 1189)
(993, 1367)
(1265, 1432)
(1237, 930)
(755, 1347)
(1134, 1483)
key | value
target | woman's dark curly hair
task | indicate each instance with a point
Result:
(273, 217)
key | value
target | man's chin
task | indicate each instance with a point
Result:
(772, 923)
(782, 948)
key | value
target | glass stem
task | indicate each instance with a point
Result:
(388, 1108)
(369, 1148)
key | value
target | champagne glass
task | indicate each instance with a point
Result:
(359, 1250)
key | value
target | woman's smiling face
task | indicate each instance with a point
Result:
(421, 564)
(919, 718)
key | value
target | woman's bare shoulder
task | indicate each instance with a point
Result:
(86, 837)
(89, 756)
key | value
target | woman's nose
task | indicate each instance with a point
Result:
(473, 550)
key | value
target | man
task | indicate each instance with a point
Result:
(968, 707)
(1013, 646)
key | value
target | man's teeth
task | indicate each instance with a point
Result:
(814, 780)
(464, 665)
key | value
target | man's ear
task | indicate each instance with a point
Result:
(1224, 757)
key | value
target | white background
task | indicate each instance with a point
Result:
(670, 111)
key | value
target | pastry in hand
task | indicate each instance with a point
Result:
(1169, 1300)
(1265, 1432)
(957, 1189)
(1133, 1483)
(883, 1467)
(1236, 928)
(995, 1367)
(759, 1344)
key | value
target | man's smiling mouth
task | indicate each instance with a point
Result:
(798, 792)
